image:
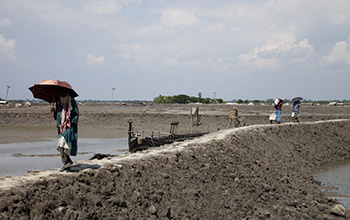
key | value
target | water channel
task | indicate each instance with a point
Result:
(336, 176)
(17, 159)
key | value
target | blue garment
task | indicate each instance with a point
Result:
(296, 106)
(278, 115)
(71, 134)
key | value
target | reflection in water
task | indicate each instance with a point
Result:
(337, 175)
(17, 159)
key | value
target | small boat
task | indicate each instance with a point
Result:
(139, 143)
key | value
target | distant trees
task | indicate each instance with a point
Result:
(270, 101)
(185, 99)
(161, 99)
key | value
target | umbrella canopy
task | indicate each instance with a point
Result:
(296, 99)
(50, 90)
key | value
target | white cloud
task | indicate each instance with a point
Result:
(7, 48)
(215, 28)
(178, 18)
(5, 23)
(95, 60)
(275, 52)
(215, 62)
(337, 11)
(142, 53)
(253, 59)
(339, 54)
(195, 62)
(172, 61)
(103, 7)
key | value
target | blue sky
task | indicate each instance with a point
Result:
(144, 48)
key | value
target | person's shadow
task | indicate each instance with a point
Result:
(80, 167)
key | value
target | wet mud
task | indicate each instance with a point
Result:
(255, 172)
(260, 171)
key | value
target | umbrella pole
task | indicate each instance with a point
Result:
(53, 99)
(53, 102)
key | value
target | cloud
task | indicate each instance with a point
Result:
(5, 23)
(337, 11)
(95, 60)
(215, 62)
(253, 59)
(7, 48)
(275, 52)
(215, 28)
(102, 7)
(339, 54)
(195, 62)
(145, 54)
(178, 18)
(171, 61)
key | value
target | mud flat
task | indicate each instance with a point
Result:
(255, 172)
(101, 121)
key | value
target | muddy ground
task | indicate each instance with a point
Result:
(260, 171)
(100, 121)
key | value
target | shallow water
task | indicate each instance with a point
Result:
(337, 175)
(16, 159)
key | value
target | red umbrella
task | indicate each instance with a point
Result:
(50, 90)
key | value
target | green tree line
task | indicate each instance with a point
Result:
(185, 99)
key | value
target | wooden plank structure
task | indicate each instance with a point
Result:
(138, 143)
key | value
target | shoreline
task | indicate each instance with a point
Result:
(34, 133)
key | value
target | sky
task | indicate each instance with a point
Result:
(229, 49)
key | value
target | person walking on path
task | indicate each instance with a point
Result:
(67, 115)
(278, 106)
(234, 117)
(296, 106)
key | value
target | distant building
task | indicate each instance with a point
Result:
(3, 102)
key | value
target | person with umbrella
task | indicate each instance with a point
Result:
(296, 106)
(66, 113)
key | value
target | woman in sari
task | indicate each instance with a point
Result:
(67, 115)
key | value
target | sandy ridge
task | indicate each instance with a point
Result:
(34, 175)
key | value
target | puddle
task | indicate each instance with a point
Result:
(16, 159)
(337, 175)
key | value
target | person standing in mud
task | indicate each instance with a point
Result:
(67, 115)
(296, 106)
(278, 106)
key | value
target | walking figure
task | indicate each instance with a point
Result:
(234, 117)
(278, 106)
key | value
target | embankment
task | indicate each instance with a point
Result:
(254, 172)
